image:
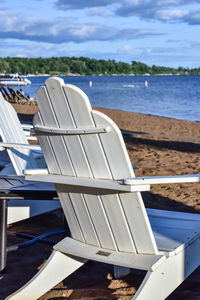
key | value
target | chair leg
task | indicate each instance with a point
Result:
(170, 274)
(151, 288)
(164, 280)
(57, 267)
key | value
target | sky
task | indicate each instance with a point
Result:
(155, 32)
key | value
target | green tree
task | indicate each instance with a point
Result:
(4, 66)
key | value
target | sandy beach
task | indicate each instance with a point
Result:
(157, 146)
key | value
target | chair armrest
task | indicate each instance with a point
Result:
(30, 172)
(162, 179)
(4, 146)
(31, 138)
(84, 184)
(27, 127)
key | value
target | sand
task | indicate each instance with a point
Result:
(158, 146)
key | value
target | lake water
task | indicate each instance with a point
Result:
(169, 96)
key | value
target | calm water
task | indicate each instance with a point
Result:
(170, 96)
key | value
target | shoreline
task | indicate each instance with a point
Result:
(32, 109)
(77, 74)
(141, 123)
(151, 115)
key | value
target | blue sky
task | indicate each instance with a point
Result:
(160, 32)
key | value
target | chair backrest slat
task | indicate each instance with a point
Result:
(11, 132)
(113, 221)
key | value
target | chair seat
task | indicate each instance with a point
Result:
(173, 231)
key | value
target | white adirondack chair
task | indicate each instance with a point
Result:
(22, 155)
(100, 196)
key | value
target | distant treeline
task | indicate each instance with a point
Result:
(84, 66)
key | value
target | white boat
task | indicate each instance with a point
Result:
(13, 80)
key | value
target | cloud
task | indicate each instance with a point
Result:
(62, 31)
(81, 4)
(127, 48)
(173, 41)
(192, 18)
(162, 10)
(186, 11)
(99, 11)
(195, 44)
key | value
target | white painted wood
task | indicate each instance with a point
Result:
(52, 162)
(52, 120)
(79, 131)
(114, 140)
(4, 146)
(162, 179)
(83, 167)
(158, 213)
(125, 259)
(102, 209)
(22, 155)
(65, 106)
(158, 283)
(100, 169)
(12, 132)
(31, 138)
(174, 231)
(35, 172)
(83, 117)
(165, 279)
(57, 164)
(27, 126)
(18, 213)
(108, 227)
(121, 166)
(98, 185)
(19, 210)
(55, 270)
